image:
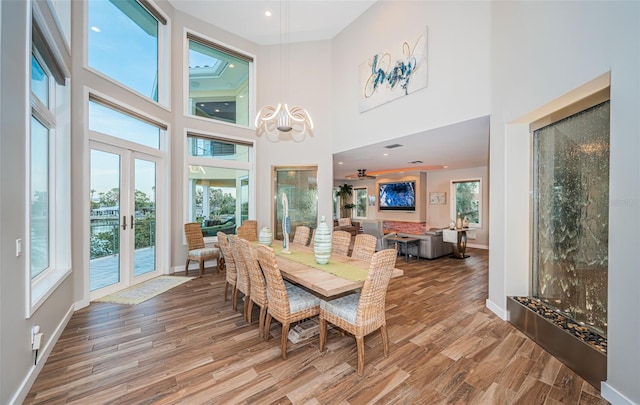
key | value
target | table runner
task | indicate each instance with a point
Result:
(342, 270)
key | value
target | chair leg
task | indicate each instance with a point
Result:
(323, 333)
(245, 311)
(226, 286)
(385, 340)
(267, 326)
(261, 320)
(201, 268)
(249, 311)
(186, 267)
(360, 346)
(283, 340)
(234, 298)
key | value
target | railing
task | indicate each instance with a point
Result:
(105, 236)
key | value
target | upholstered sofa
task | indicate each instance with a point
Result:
(431, 245)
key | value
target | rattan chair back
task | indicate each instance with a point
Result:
(364, 247)
(193, 234)
(301, 236)
(248, 230)
(230, 264)
(340, 241)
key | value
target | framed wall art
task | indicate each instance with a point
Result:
(437, 198)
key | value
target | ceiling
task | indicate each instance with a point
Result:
(458, 146)
(309, 20)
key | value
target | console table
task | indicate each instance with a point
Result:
(406, 241)
(458, 238)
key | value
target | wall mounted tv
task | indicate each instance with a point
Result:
(398, 196)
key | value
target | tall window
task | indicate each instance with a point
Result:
(218, 82)
(219, 173)
(48, 168)
(123, 38)
(467, 200)
(360, 201)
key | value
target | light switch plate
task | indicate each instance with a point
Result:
(18, 247)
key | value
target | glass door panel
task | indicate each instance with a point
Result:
(144, 217)
(105, 219)
(301, 187)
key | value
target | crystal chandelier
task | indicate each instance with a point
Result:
(283, 122)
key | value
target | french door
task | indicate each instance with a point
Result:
(123, 225)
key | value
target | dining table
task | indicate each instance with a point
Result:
(343, 274)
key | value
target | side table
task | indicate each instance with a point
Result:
(406, 241)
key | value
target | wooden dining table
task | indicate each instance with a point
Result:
(341, 275)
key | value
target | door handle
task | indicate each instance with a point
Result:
(132, 223)
(124, 222)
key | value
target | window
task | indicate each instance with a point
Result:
(123, 43)
(219, 173)
(218, 82)
(467, 200)
(48, 169)
(360, 201)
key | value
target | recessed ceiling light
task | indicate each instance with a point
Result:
(385, 154)
(267, 13)
(445, 166)
(340, 163)
(95, 29)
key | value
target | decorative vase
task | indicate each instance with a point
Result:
(322, 242)
(459, 222)
(465, 222)
(265, 237)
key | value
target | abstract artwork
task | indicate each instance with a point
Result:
(386, 76)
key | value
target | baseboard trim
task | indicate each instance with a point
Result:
(43, 355)
(473, 245)
(614, 396)
(495, 308)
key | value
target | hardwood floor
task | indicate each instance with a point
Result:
(188, 346)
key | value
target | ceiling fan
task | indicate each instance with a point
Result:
(362, 174)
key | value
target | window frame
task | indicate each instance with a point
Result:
(354, 211)
(164, 55)
(189, 35)
(56, 119)
(454, 197)
(217, 163)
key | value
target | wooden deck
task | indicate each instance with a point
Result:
(188, 346)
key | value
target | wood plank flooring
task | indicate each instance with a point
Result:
(188, 346)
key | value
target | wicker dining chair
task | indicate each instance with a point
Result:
(257, 283)
(287, 303)
(364, 247)
(248, 230)
(301, 236)
(196, 249)
(230, 265)
(340, 241)
(363, 312)
(243, 284)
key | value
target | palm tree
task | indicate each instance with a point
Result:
(344, 192)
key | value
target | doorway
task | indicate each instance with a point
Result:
(123, 227)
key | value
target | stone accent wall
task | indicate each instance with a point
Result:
(417, 228)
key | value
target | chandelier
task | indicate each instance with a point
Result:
(283, 122)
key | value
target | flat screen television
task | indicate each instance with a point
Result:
(397, 196)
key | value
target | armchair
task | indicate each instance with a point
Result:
(375, 228)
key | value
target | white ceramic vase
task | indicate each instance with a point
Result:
(265, 237)
(322, 243)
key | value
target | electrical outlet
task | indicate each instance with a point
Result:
(37, 341)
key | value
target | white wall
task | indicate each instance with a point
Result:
(17, 368)
(458, 51)
(309, 86)
(540, 52)
(439, 216)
